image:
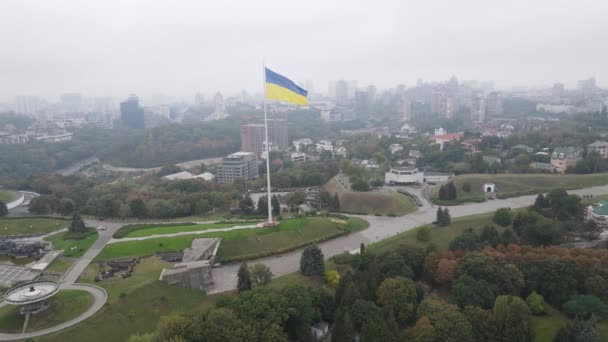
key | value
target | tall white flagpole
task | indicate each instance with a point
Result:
(270, 222)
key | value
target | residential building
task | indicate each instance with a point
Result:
(253, 136)
(598, 213)
(12, 139)
(405, 109)
(53, 138)
(297, 157)
(220, 109)
(442, 139)
(544, 167)
(28, 105)
(362, 105)
(442, 104)
(600, 147)
(324, 145)
(243, 165)
(394, 148)
(301, 144)
(415, 154)
(471, 145)
(564, 157)
(131, 114)
(478, 109)
(494, 104)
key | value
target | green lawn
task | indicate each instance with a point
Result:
(511, 185)
(8, 196)
(72, 248)
(66, 305)
(547, 326)
(16, 226)
(382, 202)
(145, 300)
(168, 229)
(245, 243)
(440, 236)
(59, 265)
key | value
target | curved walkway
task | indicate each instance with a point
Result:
(100, 296)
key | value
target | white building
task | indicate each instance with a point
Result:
(394, 148)
(600, 147)
(341, 151)
(187, 175)
(301, 143)
(298, 157)
(325, 145)
(411, 175)
(53, 138)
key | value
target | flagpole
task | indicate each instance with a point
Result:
(269, 202)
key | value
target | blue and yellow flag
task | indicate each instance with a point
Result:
(279, 87)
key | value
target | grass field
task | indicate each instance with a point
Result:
(383, 202)
(16, 226)
(72, 248)
(511, 185)
(8, 196)
(59, 265)
(440, 236)
(66, 305)
(168, 229)
(245, 243)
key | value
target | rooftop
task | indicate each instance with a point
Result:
(598, 143)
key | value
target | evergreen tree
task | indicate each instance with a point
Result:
(276, 206)
(540, 202)
(508, 237)
(246, 203)
(3, 209)
(362, 248)
(489, 235)
(344, 330)
(439, 218)
(312, 261)
(77, 225)
(263, 205)
(447, 218)
(243, 279)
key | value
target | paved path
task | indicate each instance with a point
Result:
(380, 227)
(259, 225)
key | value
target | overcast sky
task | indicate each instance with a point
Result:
(112, 47)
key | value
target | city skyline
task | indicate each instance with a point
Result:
(61, 47)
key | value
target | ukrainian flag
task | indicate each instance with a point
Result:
(279, 87)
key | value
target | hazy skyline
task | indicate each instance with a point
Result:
(178, 48)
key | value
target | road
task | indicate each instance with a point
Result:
(380, 227)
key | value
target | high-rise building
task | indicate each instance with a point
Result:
(131, 114)
(405, 109)
(28, 105)
(478, 109)
(494, 104)
(71, 102)
(239, 165)
(362, 105)
(558, 89)
(342, 93)
(253, 136)
(220, 109)
(587, 87)
(199, 99)
(442, 104)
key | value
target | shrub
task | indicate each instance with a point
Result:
(466, 187)
(536, 303)
(423, 234)
(503, 217)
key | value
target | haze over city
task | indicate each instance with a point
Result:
(112, 48)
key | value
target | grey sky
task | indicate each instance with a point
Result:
(113, 47)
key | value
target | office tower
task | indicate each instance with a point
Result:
(71, 102)
(220, 109)
(558, 89)
(478, 109)
(239, 165)
(28, 105)
(253, 136)
(342, 93)
(587, 87)
(131, 114)
(442, 104)
(199, 99)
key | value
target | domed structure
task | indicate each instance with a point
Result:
(33, 297)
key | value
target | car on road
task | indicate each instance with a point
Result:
(101, 228)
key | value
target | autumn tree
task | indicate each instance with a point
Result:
(399, 296)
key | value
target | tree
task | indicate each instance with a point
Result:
(446, 271)
(503, 217)
(452, 326)
(536, 303)
(138, 208)
(360, 185)
(423, 331)
(344, 330)
(332, 278)
(469, 291)
(468, 240)
(466, 187)
(263, 205)
(246, 203)
(394, 265)
(489, 235)
(508, 237)
(597, 285)
(483, 323)
(3, 209)
(399, 296)
(447, 192)
(564, 206)
(584, 306)
(578, 330)
(173, 327)
(312, 261)
(77, 225)
(66, 207)
(276, 206)
(540, 202)
(243, 282)
(260, 274)
(513, 319)
(443, 217)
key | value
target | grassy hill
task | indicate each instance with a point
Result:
(512, 185)
(383, 202)
(8, 196)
